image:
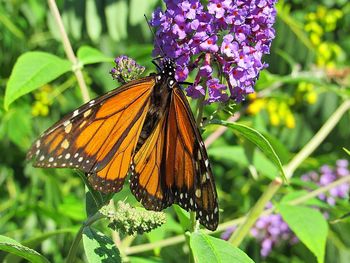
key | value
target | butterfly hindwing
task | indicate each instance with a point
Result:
(193, 187)
(98, 136)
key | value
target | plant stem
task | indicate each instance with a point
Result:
(258, 208)
(75, 245)
(255, 212)
(180, 238)
(317, 139)
(69, 50)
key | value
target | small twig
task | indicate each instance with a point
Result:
(69, 50)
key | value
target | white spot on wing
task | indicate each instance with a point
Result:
(75, 113)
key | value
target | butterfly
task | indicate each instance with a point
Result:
(144, 128)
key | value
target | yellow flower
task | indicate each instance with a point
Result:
(274, 119)
(290, 121)
(311, 97)
(256, 106)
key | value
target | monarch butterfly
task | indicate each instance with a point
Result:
(145, 128)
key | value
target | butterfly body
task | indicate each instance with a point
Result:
(145, 128)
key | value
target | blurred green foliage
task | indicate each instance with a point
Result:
(307, 79)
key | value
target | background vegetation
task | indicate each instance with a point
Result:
(303, 93)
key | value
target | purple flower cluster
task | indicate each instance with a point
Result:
(271, 230)
(126, 69)
(230, 34)
(328, 175)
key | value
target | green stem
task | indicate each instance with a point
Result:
(255, 212)
(307, 150)
(317, 139)
(75, 245)
(69, 50)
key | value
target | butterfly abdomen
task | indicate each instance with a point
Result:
(160, 100)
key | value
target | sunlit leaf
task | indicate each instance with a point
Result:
(12, 246)
(99, 248)
(257, 138)
(206, 248)
(309, 225)
(31, 71)
(90, 55)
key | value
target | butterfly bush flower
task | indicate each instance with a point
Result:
(126, 69)
(230, 35)
(328, 175)
(270, 231)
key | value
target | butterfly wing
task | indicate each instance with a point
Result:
(172, 166)
(188, 173)
(99, 137)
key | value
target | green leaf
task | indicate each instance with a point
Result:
(98, 247)
(288, 198)
(90, 55)
(309, 226)
(236, 154)
(93, 21)
(137, 10)
(31, 71)
(145, 260)
(12, 246)
(116, 19)
(210, 249)
(21, 137)
(183, 216)
(37, 240)
(257, 138)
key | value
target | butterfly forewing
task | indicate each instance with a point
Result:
(98, 135)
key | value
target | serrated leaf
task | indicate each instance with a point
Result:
(309, 226)
(12, 246)
(258, 139)
(90, 55)
(210, 249)
(31, 71)
(99, 248)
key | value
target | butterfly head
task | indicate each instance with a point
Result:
(168, 71)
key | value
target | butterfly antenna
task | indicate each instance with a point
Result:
(155, 38)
